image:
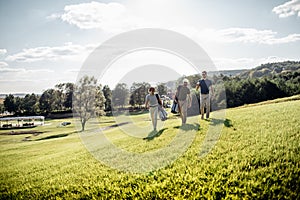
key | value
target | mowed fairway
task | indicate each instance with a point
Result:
(256, 157)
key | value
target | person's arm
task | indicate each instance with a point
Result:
(176, 95)
(197, 86)
(211, 89)
(190, 100)
(158, 99)
(147, 103)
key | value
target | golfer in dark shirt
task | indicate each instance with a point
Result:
(206, 92)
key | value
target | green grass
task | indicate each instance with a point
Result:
(257, 157)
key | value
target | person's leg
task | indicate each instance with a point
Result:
(207, 106)
(183, 111)
(155, 118)
(180, 105)
(180, 108)
(152, 114)
(202, 103)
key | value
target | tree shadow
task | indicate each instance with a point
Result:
(173, 116)
(226, 122)
(114, 126)
(154, 134)
(138, 112)
(54, 136)
(189, 127)
(103, 122)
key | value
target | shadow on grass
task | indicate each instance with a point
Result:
(189, 127)
(226, 122)
(154, 134)
(13, 132)
(138, 112)
(56, 136)
(115, 125)
(215, 122)
(174, 116)
(103, 122)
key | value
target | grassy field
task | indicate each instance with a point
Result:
(256, 157)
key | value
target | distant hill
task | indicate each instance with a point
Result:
(227, 72)
(21, 95)
(270, 69)
(267, 69)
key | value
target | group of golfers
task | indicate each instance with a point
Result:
(183, 99)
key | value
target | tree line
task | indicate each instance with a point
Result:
(53, 100)
(61, 98)
(253, 90)
(239, 91)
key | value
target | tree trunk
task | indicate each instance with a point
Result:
(83, 125)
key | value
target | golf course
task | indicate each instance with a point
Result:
(256, 156)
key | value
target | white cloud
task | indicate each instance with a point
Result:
(26, 79)
(54, 16)
(3, 51)
(246, 63)
(68, 51)
(23, 79)
(111, 17)
(242, 35)
(4, 68)
(273, 59)
(24, 71)
(288, 9)
(233, 63)
(7, 69)
(251, 35)
(115, 18)
(3, 64)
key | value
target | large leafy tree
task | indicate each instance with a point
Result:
(193, 79)
(9, 103)
(47, 101)
(66, 93)
(120, 95)
(138, 91)
(100, 101)
(133, 95)
(88, 99)
(30, 104)
(162, 89)
(19, 105)
(1, 108)
(108, 95)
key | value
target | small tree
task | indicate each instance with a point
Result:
(9, 103)
(100, 101)
(138, 91)
(19, 105)
(1, 108)
(120, 95)
(47, 101)
(107, 94)
(162, 89)
(66, 92)
(30, 104)
(85, 99)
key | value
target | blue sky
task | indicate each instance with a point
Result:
(43, 43)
